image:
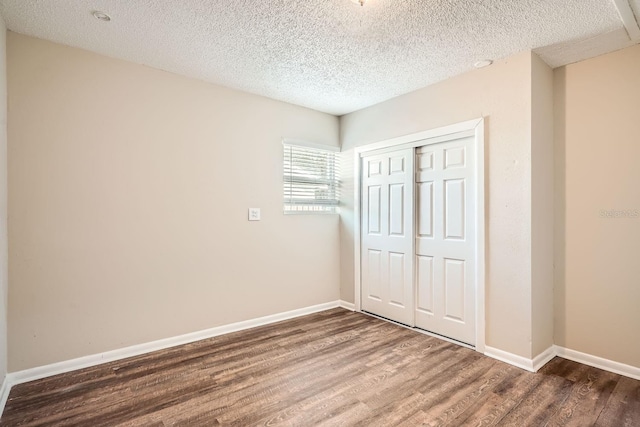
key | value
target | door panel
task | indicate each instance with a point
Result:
(387, 238)
(454, 289)
(374, 276)
(397, 279)
(454, 209)
(445, 239)
(374, 209)
(425, 213)
(425, 284)
(454, 157)
(375, 168)
(396, 164)
(396, 209)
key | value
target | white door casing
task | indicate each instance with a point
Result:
(445, 239)
(387, 235)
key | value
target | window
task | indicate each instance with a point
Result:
(310, 178)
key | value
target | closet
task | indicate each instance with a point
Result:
(421, 234)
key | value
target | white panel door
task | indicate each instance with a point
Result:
(445, 239)
(387, 235)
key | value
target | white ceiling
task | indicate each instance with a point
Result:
(330, 55)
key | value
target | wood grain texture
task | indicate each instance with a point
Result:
(335, 368)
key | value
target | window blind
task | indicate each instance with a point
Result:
(310, 180)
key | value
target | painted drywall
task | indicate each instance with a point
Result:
(598, 206)
(128, 197)
(4, 275)
(346, 225)
(542, 210)
(502, 95)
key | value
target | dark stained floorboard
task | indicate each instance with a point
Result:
(334, 368)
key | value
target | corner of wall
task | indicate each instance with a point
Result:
(3, 202)
(346, 226)
(542, 206)
(559, 229)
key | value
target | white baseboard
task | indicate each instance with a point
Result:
(531, 365)
(510, 358)
(599, 362)
(40, 372)
(4, 393)
(543, 358)
(347, 305)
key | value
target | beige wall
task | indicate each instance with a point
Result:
(597, 125)
(542, 201)
(346, 226)
(502, 94)
(128, 197)
(4, 276)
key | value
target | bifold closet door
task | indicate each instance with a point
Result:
(387, 235)
(445, 239)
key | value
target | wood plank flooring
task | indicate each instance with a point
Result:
(334, 368)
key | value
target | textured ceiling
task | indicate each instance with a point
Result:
(330, 55)
(635, 9)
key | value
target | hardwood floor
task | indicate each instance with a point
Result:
(332, 368)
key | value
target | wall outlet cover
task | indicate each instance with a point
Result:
(254, 214)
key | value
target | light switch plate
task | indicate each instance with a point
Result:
(254, 214)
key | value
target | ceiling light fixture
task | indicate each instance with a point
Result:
(483, 63)
(360, 2)
(101, 16)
